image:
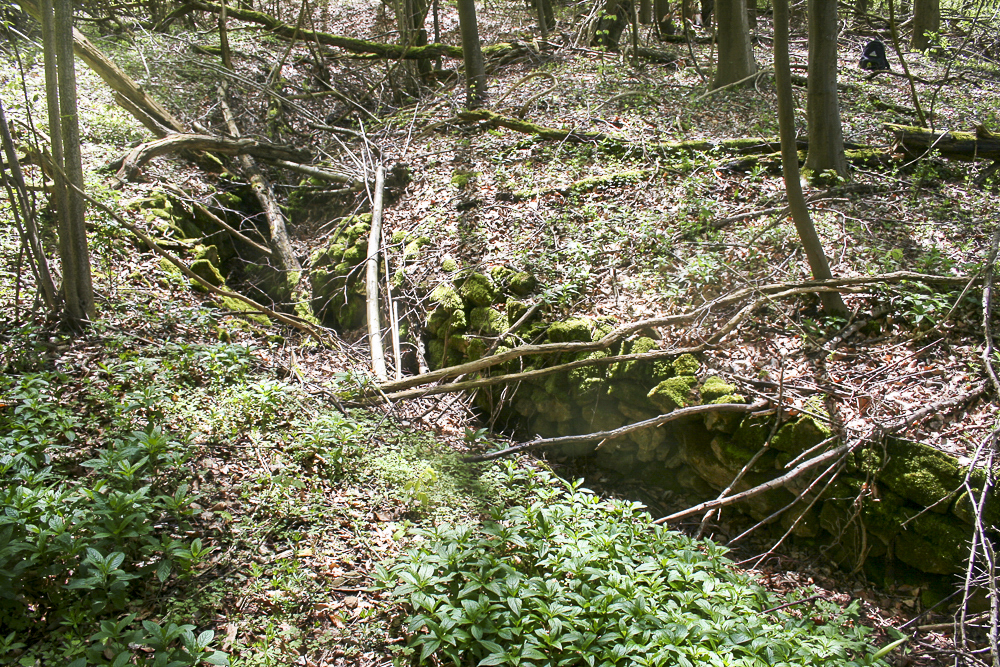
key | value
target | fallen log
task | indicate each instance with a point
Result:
(359, 46)
(143, 153)
(978, 145)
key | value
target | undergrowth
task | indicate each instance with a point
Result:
(568, 578)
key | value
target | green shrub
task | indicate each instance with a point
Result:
(82, 540)
(571, 579)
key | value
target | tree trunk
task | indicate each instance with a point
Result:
(410, 17)
(832, 303)
(546, 19)
(472, 53)
(735, 51)
(78, 291)
(614, 17)
(926, 19)
(826, 136)
(663, 17)
(645, 11)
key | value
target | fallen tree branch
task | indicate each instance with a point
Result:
(172, 143)
(618, 432)
(510, 378)
(671, 320)
(978, 145)
(761, 488)
(937, 407)
(261, 186)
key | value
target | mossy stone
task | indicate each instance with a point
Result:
(575, 329)
(477, 290)
(356, 254)
(715, 387)
(207, 271)
(725, 422)
(501, 275)
(249, 312)
(397, 237)
(686, 364)
(522, 283)
(449, 265)
(412, 249)
(673, 393)
(735, 455)
(629, 392)
(934, 544)
(209, 252)
(441, 323)
(587, 390)
(798, 436)
(921, 473)
(446, 298)
(515, 310)
(964, 510)
(487, 321)
(173, 272)
(582, 373)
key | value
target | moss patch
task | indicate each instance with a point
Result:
(921, 473)
(673, 393)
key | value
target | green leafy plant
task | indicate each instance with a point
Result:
(570, 579)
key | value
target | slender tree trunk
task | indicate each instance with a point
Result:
(826, 136)
(926, 19)
(546, 19)
(615, 16)
(735, 50)
(78, 291)
(832, 303)
(472, 54)
(645, 11)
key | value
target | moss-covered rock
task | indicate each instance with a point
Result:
(686, 364)
(208, 272)
(715, 387)
(249, 312)
(501, 275)
(676, 392)
(522, 283)
(575, 329)
(736, 455)
(412, 249)
(933, 544)
(798, 436)
(477, 290)
(449, 265)
(441, 322)
(487, 321)
(446, 298)
(515, 309)
(921, 473)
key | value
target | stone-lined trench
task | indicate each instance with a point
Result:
(897, 509)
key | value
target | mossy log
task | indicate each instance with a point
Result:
(862, 157)
(978, 145)
(359, 46)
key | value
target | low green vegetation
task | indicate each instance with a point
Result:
(566, 578)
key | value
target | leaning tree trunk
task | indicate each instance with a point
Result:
(472, 54)
(826, 136)
(663, 17)
(60, 71)
(926, 21)
(735, 50)
(832, 303)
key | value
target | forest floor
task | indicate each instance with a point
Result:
(297, 526)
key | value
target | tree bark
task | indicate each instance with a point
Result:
(735, 50)
(832, 303)
(472, 53)
(77, 288)
(611, 24)
(926, 19)
(826, 136)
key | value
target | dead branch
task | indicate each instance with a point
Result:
(261, 186)
(203, 210)
(371, 280)
(978, 145)
(938, 407)
(626, 330)
(766, 486)
(618, 432)
(172, 143)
